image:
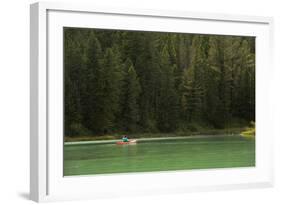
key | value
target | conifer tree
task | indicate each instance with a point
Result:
(168, 101)
(73, 64)
(91, 75)
(194, 82)
(107, 92)
(131, 91)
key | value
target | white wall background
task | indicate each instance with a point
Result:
(14, 102)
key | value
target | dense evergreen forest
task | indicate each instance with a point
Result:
(151, 82)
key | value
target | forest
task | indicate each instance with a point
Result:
(151, 82)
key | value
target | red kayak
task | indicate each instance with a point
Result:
(124, 143)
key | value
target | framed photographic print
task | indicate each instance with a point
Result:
(147, 101)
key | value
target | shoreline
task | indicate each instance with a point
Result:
(148, 139)
(117, 136)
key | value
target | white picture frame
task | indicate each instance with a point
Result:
(46, 179)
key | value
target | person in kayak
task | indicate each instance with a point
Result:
(125, 138)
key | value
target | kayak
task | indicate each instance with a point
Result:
(126, 143)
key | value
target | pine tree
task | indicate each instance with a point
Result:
(106, 92)
(194, 82)
(148, 68)
(218, 63)
(73, 63)
(130, 97)
(168, 101)
(245, 83)
(91, 75)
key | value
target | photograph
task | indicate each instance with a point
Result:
(147, 101)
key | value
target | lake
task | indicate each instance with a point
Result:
(200, 152)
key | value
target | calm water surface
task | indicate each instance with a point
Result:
(163, 155)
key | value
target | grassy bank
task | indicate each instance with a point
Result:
(156, 135)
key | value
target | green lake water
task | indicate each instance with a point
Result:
(161, 155)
